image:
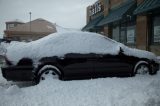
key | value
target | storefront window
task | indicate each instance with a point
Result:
(115, 33)
(123, 33)
(130, 34)
(123, 36)
(156, 29)
(127, 32)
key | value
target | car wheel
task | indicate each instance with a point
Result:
(48, 72)
(142, 68)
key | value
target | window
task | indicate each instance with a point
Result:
(127, 32)
(124, 32)
(123, 36)
(115, 33)
(156, 29)
(131, 34)
(10, 26)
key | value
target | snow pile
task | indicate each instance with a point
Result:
(59, 44)
(135, 91)
(141, 90)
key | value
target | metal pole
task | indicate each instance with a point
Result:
(30, 20)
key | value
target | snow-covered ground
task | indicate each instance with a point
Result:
(142, 90)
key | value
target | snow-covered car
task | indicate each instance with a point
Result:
(75, 55)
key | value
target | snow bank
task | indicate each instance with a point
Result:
(59, 44)
(141, 90)
(135, 91)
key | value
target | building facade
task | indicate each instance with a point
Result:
(29, 31)
(135, 23)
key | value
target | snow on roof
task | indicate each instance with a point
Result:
(16, 20)
(59, 44)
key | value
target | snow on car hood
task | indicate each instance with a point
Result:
(59, 44)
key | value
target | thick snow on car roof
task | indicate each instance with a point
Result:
(59, 44)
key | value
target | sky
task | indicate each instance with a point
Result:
(66, 13)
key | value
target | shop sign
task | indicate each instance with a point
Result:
(157, 34)
(95, 8)
(130, 36)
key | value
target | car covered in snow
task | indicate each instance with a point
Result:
(75, 55)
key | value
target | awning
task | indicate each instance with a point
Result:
(117, 14)
(92, 24)
(147, 5)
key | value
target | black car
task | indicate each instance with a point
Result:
(75, 55)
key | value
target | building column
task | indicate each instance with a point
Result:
(108, 31)
(142, 32)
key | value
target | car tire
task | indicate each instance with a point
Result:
(142, 67)
(48, 71)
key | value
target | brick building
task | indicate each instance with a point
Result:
(135, 23)
(16, 30)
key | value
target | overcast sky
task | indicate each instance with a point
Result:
(66, 13)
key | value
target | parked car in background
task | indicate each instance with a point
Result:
(5, 40)
(75, 55)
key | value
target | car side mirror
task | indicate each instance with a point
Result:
(121, 51)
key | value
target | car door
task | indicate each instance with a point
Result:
(110, 65)
(78, 66)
